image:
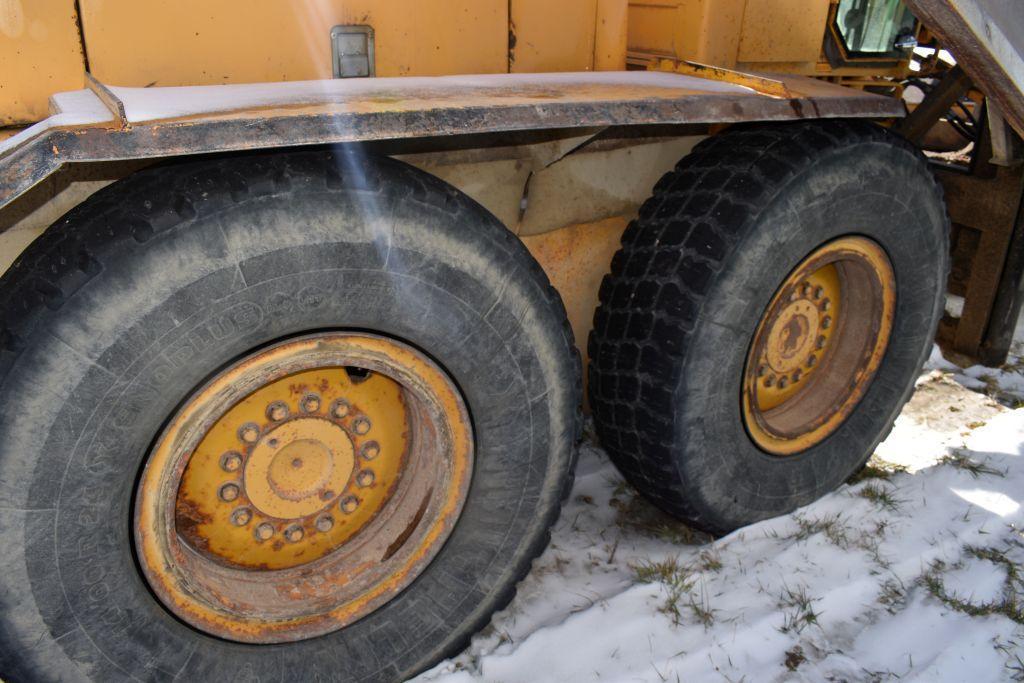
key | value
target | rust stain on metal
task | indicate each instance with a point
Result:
(407, 532)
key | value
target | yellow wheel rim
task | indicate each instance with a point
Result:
(818, 345)
(303, 487)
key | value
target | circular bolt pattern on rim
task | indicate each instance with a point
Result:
(824, 361)
(285, 549)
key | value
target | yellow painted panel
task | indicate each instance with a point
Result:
(552, 35)
(705, 31)
(40, 54)
(610, 35)
(783, 30)
(179, 42)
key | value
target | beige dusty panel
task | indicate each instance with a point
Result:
(40, 54)
(552, 36)
(783, 30)
(497, 185)
(593, 184)
(575, 259)
(179, 42)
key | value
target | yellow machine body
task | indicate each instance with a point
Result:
(47, 45)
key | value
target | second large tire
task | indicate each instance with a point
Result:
(695, 274)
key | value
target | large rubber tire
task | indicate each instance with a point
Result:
(120, 310)
(696, 271)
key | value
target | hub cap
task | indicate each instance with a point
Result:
(818, 345)
(303, 487)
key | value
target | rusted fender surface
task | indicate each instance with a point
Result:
(987, 38)
(138, 123)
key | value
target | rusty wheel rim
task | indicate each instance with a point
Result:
(303, 487)
(818, 345)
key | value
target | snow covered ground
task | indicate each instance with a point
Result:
(913, 570)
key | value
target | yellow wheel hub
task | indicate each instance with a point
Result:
(818, 345)
(303, 487)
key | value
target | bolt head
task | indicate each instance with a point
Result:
(797, 374)
(249, 432)
(769, 381)
(826, 322)
(349, 504)
(264, 531)
(324, 523)
(228, 492)
(783, 382)
(241, 516)
(277, 411)
(310, 403)
(811, 360)
(231, 461)
(826, 304)
(370, 450)
(339, 409)
(761, 370)
(294, 533)
(361, 425)
(819, 292)
(365, 478)
(821, 342)
(807, 289)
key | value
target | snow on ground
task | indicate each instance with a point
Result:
(913, 570)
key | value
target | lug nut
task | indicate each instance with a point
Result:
(294, 533)
(794, 295)
(277, 411)
(310, 403)
(349, 504)
(231, 461)
(241, 516)
(783, 382)
(324, 523)
(811, 361)
(807, 289)
(797, 374)
(339, 408)
(228, 492)
(264, 532)
(826, 322)
(361, 425)
(761, 370)
(826, 304)
(365, 478)
(819, 292)
(370, 450)
(821, 342)
(249, 432)
(769, 381)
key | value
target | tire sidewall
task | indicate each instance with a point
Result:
(197, 297)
